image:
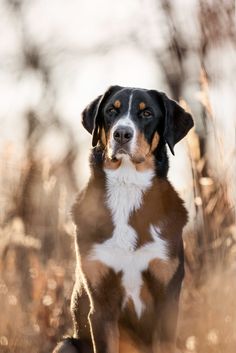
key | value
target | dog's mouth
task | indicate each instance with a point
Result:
(137, 150)
(121, 152)
(118, 151)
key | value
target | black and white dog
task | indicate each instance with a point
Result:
(129, 218)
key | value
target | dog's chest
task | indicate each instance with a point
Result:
(124, 195)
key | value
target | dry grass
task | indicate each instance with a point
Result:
(36, 244)
(37, 256)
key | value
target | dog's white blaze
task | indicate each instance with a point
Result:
(130, 104)
(125, 188)
(126, 121)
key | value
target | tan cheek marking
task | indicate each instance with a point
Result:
(146, 165)
(155, 141)
(143, 153)
(142, 145)
(117, 104)
(103, 137)
(94, 271)
(142, 105)
(109, 151)
(110, 164)
(163, 271)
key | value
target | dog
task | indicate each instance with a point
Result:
(129, 219)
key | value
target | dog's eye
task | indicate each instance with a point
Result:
(146, 114)
(111, 110)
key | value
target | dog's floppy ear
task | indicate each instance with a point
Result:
(177, 121)
(89, 114)
(91, 118)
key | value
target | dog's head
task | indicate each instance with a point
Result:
(133, 121)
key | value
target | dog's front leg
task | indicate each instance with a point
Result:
(165, 335)
(166, 328)
(104, 329)
(80, 308)
(105, 294)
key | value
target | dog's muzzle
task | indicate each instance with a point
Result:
(123, 134)
(122, 137)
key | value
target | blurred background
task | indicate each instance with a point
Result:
(55, 57)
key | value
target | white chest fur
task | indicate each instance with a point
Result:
(125, 188)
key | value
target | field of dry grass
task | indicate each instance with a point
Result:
(36, 234)
(37, 256)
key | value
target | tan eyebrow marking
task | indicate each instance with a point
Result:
(142, 105)
(117, 104)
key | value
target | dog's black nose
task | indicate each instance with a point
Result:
(123, 134)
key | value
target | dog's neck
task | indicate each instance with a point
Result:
(161, 163)
(125, 187)
(128, 175)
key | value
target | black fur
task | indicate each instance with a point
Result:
(169, 119)
(73, 345)
(161, 205)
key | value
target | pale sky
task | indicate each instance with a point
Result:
(91, 45)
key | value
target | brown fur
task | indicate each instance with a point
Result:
(146, 296)
(111, 164)
(129, 345)
(147, 164)
(103, 322)
(163, 271)
(103, 137)
(144, 153)
(93, 220)
(95, 271)
(155, 141)
(156, 201)
(143, 147)
(113, 338)
(117, 104)
(142, 105)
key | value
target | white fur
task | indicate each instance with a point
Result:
(125, 188)
(131, 263)
(125, 121)
(130, 104)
